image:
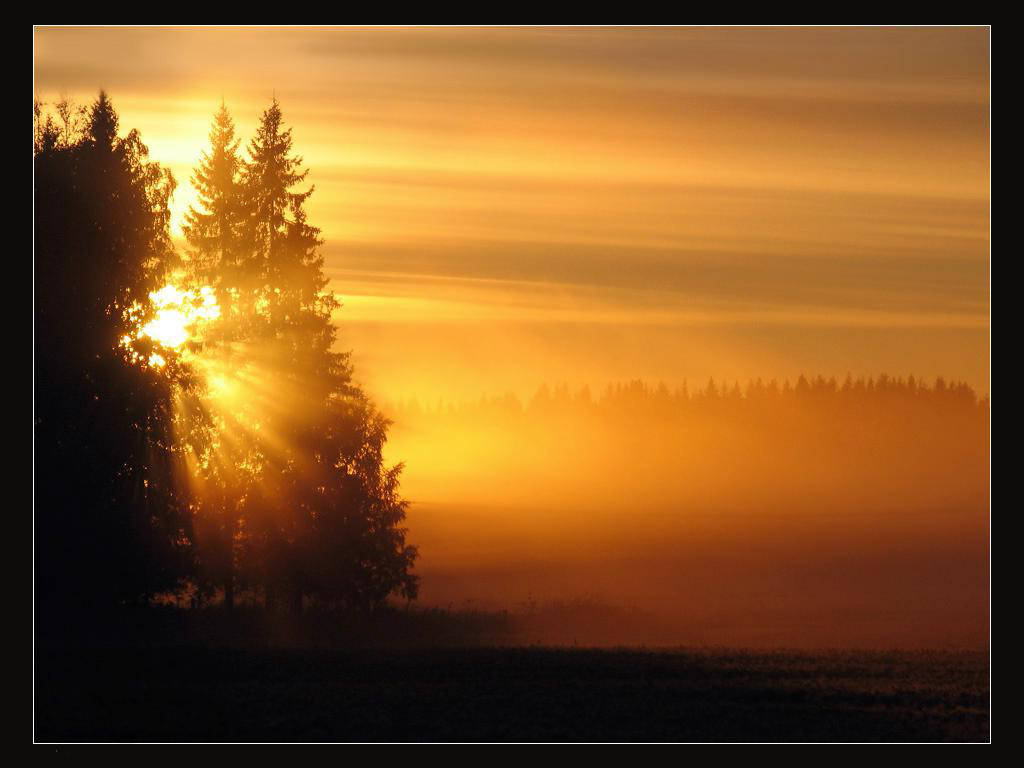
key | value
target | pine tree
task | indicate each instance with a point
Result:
(325, 517)
(215, 231)
(287, 266)
(218, 252)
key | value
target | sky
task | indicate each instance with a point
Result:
(507, 207)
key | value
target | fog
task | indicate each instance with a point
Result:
(815, 514)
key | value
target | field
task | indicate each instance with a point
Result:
(507, 694)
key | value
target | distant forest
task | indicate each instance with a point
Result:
(817, 443)
(882, 390)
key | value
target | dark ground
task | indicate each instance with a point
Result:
(507, 694)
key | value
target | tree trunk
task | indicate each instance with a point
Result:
(269, 597)
(229, 583)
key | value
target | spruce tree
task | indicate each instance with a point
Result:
(218, 251)
(214, 232)
(324, 517)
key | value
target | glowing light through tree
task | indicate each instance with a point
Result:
(179, 316)
(178, 312)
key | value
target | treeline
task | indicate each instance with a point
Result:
(881, 391)
(816, 443)
(194, 427)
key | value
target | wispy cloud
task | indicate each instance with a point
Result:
(757, 197)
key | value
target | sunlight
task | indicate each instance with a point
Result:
(168, 328)
(174, 326)
(179, 317)
(178, 312)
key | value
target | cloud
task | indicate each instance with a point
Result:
(780, 194)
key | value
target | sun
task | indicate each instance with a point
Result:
(178, 317)
(177, 312)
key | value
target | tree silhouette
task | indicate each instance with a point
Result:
(111, 522)
(317, 512)
(341, 538)
(145, 481)
(215, 233)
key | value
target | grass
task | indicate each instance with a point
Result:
(178, 693)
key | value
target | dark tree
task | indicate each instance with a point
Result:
(217, 249)
(214, 232)
(339, 534)
(316, 512)
(111, 520)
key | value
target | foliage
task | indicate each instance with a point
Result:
(145, 481)
(324, 516)
(111, 522)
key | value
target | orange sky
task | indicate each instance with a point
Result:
(504, 207)
(508, 207)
